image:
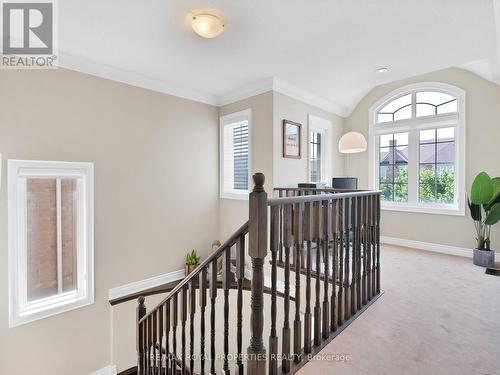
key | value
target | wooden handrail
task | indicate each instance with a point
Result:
(320, 197)
(216, 254)
(315, 190)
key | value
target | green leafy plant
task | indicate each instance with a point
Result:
(192, 258)
(432, 187)
(484, 205)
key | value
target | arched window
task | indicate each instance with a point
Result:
(417, 149)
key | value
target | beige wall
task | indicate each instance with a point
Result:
(233, 213)
(482, 153)
(155, 180)
(145, 194)
(288, 172)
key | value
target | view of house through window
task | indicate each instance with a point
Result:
(51, 237)
(394, 167)
(437, 165)
(315, 157)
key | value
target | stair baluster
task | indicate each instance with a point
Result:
(318, 237)
(298, 241)
(363, 250)
(377, 241)
(335, 245)
(308, 237)
(327, 230)
(359, 290)
(287, 242)
(192, 311)
(348, 237)
(167, 337)
(160, 339)
(155, 341)
(203, 304)
(352, 289)
(213, 297)
(240, 276)
(275, 247)
(175, 310)
(341, 294)
(140, 312)
(226, 284)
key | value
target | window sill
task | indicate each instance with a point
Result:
(42, 312)
(434, 210)
(243, 196)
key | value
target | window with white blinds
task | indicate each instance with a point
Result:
(235, 154)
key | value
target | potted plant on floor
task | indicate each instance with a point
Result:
(484, 205)
(192, 261)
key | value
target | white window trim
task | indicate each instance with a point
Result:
(20, 311)
(437, 121)
(324, 127)
(228, 119)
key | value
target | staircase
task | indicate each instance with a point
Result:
(324, 259)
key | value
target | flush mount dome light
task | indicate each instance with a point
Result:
(382, 70)
(207, 25)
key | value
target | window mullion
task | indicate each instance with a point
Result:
(413, 160)
(59, 236)
(22, 266)
(414, 105)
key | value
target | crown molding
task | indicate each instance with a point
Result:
(255, 88)
(286, 88)
(83, 65)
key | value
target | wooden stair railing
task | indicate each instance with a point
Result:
(161, 323)
(322, 221)
(347, 223)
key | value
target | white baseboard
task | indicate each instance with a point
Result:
(108, 370)
(427, 246)
(137, 286)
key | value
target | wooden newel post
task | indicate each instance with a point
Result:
(257, 250)
(141, 312)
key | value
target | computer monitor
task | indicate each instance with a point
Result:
(350, 183)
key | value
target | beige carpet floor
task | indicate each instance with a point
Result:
(440, 314)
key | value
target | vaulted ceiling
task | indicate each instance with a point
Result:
(329, 49)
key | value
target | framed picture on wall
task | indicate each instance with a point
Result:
(292, 139)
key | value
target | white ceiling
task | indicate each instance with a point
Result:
(327, 50)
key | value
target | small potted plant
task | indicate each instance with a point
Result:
(192, 261)
(484, 205)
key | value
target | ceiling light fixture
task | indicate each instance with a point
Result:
(352, 143)
(207, 25)
(382, 70)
